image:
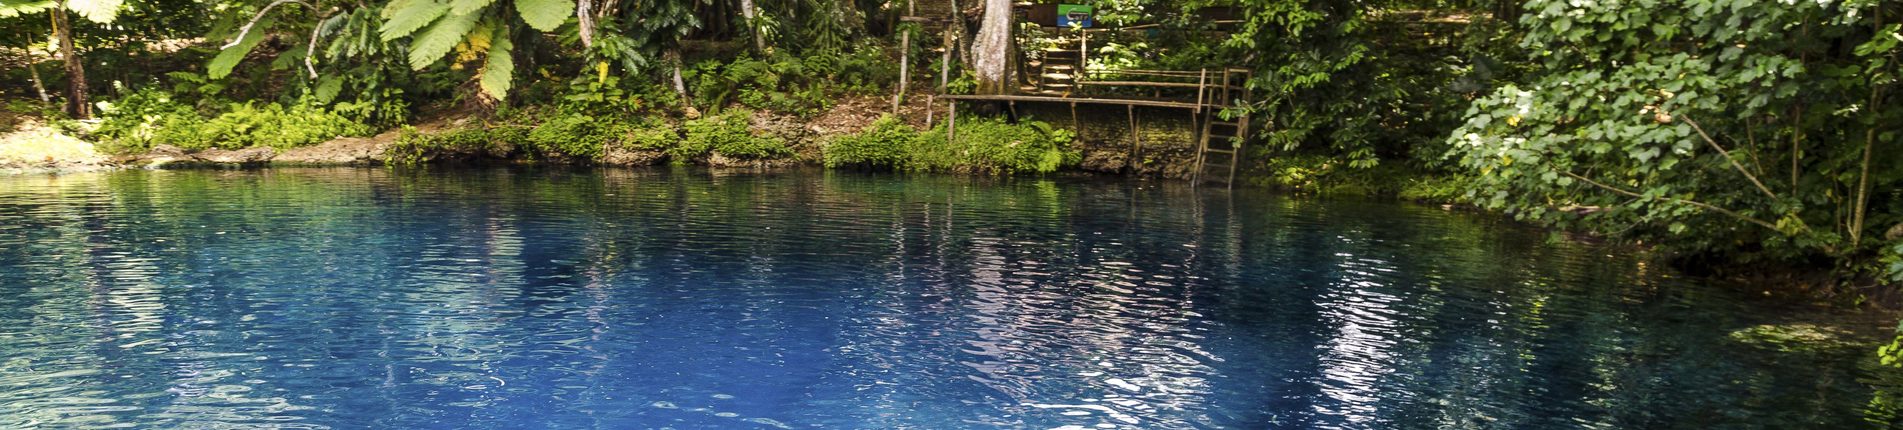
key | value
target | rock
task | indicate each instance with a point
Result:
(252, 155)
(617, 155)
(164, 150)
(348, 151)
(799, 134)
(722, 161)
(1104, 161)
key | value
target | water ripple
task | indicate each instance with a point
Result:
(377, 298)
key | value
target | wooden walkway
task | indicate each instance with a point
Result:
(1215, 91)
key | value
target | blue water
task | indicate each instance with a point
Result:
(372, 298)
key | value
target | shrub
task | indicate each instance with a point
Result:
(415, 147)
(797, 85)
(651, 136)
(994, 146)
(573, 135)
(729, 134)
(148, 117)
(881, 145)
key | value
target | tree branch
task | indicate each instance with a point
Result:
(1734, 162)
(1703, 205)
(242, 31)
(311, 50)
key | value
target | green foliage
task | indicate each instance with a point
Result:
(572, 135)
(149, 117)
(653, 136)
(882, 145)
(1702, 126)
(1892, 261)
(436, 29)
(729, 134)
(784, 83)
(985, 145)
(414, 147)
(1327, 175)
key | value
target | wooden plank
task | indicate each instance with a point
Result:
(1181, 73)
(1141, 84)
(1086, 100)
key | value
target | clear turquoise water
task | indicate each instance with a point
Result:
(371, 298)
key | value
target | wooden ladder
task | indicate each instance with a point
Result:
(1222, 138)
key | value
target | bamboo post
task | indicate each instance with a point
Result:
(1202, 79)
(1074, 124)
(1083, 57)
(951, 120)
(1136, 136)
(905, 60)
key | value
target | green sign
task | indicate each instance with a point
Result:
(1078, 14)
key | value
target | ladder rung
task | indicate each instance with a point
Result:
(1220, 151)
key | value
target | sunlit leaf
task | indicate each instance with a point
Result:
(545, 15)
(498, 72)
(412, 15)
(439, 39)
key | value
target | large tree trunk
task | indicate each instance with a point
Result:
(76, 104)
(991, 50)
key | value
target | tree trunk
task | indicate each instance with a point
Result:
(991, 56)
(584, 20)
(76, 104)
(673, 57)
(753, 26)
(38, 85)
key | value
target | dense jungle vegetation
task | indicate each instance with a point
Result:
(1725, 133)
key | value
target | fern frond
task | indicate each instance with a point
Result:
(468, 7)
(498, 73)
(439, 39)
(413, 15)
(99, 11)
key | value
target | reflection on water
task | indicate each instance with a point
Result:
(370, 298)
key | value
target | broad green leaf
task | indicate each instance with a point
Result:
(439, 39)
(545, 15)
(412, 16)
(498, 72)
(99, 11)
(222, 64)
